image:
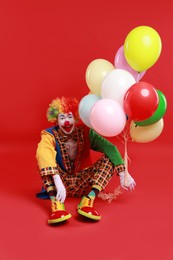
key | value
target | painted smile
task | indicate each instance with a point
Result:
(67, 128)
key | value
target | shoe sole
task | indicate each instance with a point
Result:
(88, 215)
(54, 221)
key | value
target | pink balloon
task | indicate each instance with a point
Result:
(120, 62)
(108, 117)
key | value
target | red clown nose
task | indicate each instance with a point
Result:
(66, 123)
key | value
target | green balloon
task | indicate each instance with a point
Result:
(158, 114)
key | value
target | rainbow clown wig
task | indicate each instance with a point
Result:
(62, 105)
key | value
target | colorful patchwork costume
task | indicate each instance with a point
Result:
(65, 154)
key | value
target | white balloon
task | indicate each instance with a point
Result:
(115, 85)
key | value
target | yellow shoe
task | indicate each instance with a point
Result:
(59, 213)
(85, 208)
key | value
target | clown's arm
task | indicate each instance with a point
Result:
(46, 158)
(100, 144)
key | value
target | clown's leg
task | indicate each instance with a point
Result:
(58, 213)
(102, 173)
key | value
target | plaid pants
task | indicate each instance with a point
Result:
(80, 183)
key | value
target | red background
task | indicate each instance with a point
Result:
(45, 48)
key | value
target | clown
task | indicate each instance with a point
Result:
(65, 166)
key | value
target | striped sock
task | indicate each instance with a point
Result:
(93, 193)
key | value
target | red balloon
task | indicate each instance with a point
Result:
(141, 101)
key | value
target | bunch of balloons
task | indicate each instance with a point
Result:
(117, 95)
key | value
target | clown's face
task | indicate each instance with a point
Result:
(66, 122)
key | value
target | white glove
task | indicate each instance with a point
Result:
(127, 181)
(61, 191)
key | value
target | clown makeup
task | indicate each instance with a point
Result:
(66, 122)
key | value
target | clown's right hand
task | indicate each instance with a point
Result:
(61, 191)
(126, 181)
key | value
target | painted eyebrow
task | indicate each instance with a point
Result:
(61, 116)
(69, 114)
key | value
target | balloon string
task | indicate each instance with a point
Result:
(126, 136)
(126, 157)
(108, 197)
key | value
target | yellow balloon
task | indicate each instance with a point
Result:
(142, 48)
(145, 134)
(95, 73)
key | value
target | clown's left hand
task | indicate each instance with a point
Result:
(126, 181)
